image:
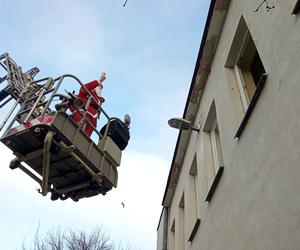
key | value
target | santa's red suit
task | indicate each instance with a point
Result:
(93, 110)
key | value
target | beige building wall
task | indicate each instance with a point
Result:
(256, 202)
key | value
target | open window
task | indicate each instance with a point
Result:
(193, 222)
(245, 61)
(212, 151)
(248, 70)
(216, 146)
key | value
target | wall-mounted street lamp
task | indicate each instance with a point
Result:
(183, 124)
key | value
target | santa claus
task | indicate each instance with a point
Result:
(93, 109)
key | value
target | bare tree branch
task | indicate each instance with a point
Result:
(97, 239)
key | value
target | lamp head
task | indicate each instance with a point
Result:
(182, 124)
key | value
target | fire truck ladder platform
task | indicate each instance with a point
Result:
(61, 158)
(48, 144)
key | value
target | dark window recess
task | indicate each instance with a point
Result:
(256, 68)
(296, 8)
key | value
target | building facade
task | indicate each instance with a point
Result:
(236, 183)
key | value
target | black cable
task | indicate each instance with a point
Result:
(268, 7)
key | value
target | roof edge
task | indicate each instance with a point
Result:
(214, 6)
(204, 36)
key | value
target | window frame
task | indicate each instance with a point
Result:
(242, 86)
(239, 74)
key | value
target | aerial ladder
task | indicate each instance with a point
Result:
(48, 145)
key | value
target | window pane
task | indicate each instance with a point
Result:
(218, 147)
(251, 67)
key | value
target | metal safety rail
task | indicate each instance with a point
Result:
(19, 84)
(34, 102)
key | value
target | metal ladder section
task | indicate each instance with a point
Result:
(19, 84)
(16, 78)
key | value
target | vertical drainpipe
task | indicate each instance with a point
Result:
(165, 231)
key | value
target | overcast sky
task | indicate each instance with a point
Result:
(148, 50)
